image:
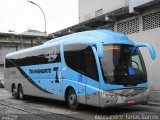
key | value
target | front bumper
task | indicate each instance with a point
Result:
(113, 99)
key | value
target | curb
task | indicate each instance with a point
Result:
(151, 103)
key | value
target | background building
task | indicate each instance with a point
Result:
(89, 9)
(10, 42)
(138, 19)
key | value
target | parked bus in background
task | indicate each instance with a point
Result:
(99, 68)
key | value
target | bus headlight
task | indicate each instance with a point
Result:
(110, 95)
(105, 94)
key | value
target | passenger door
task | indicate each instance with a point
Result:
(92, 78)
(74, 55)
(80, 59)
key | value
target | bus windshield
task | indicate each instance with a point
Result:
(123, 65)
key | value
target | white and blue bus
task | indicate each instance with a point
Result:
(99, 68)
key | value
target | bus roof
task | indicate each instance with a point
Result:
(93, 36)
(101, 35)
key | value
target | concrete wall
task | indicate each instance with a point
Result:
(87, 8)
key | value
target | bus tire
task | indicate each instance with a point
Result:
(14, 91)
(21, 95)
(72, 99)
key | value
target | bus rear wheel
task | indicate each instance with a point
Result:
(21, 95)
(72, 99)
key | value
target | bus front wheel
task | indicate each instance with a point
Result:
(72, 99)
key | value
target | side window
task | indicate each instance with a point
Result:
(80, 58)
(75, 57)
(44, 56)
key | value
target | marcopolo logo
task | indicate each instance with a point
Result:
(51, 55)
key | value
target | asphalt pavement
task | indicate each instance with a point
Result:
(44, 109)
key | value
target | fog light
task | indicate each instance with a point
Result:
(107, 101)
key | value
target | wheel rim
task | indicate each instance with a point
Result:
(14, 91)
(20, 94)
(72, 99)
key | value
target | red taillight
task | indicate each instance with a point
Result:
(130, 101)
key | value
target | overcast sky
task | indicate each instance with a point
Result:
(20, 15)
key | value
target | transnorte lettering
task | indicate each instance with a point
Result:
(31, 71)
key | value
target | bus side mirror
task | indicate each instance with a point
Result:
(150, 48)
(100, 50)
